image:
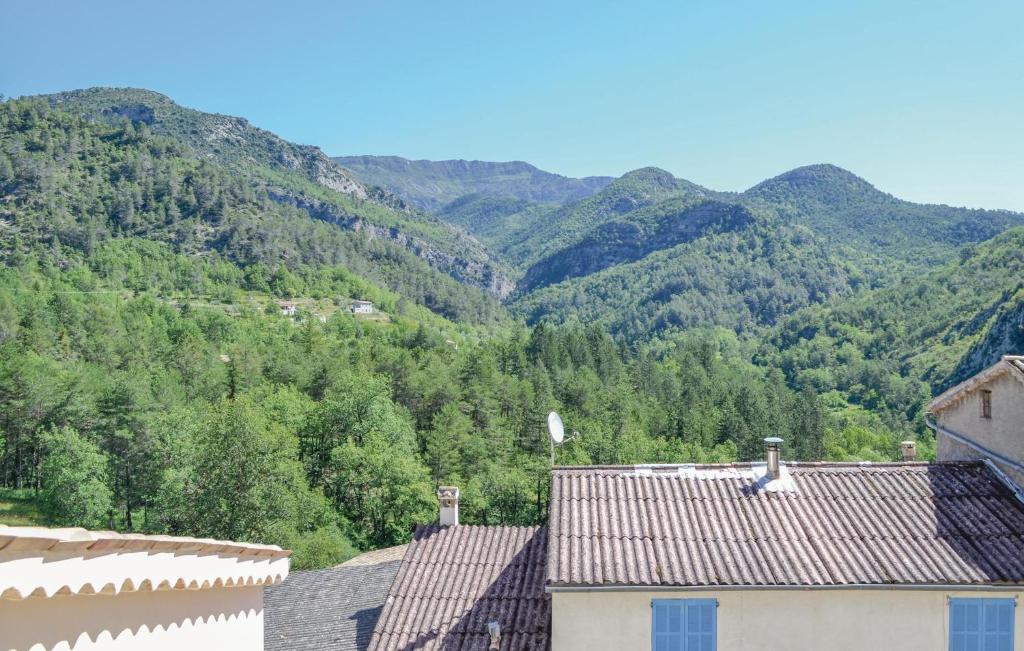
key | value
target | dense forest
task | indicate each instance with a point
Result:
(146, 410)
(149, 380)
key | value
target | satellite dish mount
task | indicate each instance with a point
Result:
(556, 433)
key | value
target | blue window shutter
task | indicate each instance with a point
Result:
(981, 624)
(964, 625)
(700, 625)
(667, 634)
(684, 625)
(997, 619)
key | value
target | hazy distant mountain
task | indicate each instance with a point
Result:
(430, 185)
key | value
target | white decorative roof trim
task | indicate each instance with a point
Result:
(1008, 364)
(38, 562)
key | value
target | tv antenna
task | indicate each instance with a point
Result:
(556, 433)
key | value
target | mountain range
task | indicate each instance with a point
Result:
(643, 255)
(146, 250)
(430, 185)
(648, 251)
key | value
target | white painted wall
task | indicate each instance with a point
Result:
(217, 619)
(771, 620)
(1003, 433)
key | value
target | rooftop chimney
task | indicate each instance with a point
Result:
(448, 497)
(909, 449)
(494, 630)
(773, 445)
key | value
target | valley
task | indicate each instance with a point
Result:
(143, 354)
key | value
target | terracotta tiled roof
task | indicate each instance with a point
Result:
(825, 524)
(455, 580)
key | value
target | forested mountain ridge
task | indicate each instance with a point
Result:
(890, 350)
(430, 185)
(497, 222)
(291, 175)
(69, 184)
(859, 221)
(635, 235)
(231, 141)
(744, 277)
(562, 225)
(143, 351)
(884, 236)
(629, 256)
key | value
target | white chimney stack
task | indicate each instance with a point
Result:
(773, 445)
(494, 631)
(448, 499)
(909, 449)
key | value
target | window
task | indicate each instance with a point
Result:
(986, 403)
(684, 624)
(981, 624)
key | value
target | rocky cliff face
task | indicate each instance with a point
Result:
(268, 161)
(474, 268)
(1005, 336)
(229, 140)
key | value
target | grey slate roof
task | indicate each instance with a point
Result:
(831, 524)
(326, 610)
(455, 580)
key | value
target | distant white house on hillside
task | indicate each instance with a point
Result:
(362, 307)
(287, 309)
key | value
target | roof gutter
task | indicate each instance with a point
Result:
(951, 587)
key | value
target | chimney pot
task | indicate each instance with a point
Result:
(494, 630)
(909, 449)
(448, 500)
(773, 446)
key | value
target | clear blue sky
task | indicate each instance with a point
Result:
(924, 99)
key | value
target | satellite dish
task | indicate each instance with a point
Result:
(555, 427)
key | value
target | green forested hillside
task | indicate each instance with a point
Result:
(430, 185)
(871, 227)
(651, 254)
(149, 390)
(564, 225)
(230, 141)
(150, 382)
(498, 222)
(301, 177)
(745, 278)
(65, 180)
(890, 350)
